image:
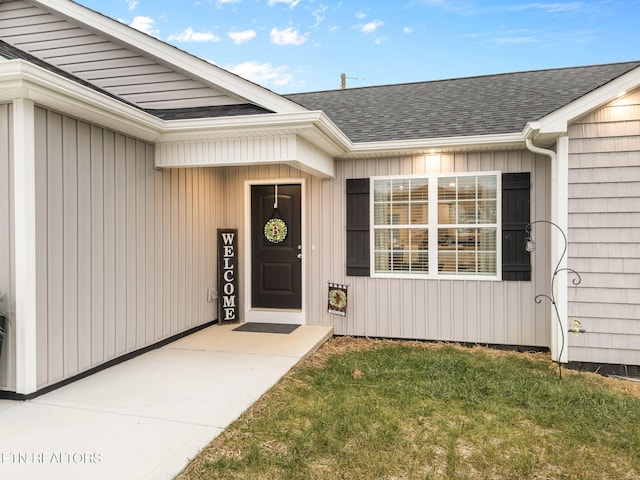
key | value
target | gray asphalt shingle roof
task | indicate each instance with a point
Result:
(208, 112)
(485, 105)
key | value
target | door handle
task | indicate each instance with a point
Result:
(299, 256)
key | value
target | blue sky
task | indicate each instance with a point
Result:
(304, 45)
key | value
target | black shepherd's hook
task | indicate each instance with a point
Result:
(552, 298)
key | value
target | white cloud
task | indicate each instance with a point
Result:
(220, 3)
(360, 15)
(189, 35)
(549, 7)
(514, 40)
(371, 27)
(318, 13)
(517, 36)
(146, 25)
(288, 36)
(242, 37)
(262, 73)
(132, 5)
(290, 3)
(407, 30)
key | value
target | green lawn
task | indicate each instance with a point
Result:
(362, 409)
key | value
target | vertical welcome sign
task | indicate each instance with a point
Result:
(228, 275)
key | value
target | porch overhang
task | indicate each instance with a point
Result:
(308, 141)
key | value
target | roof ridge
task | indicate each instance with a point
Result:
(470, 77)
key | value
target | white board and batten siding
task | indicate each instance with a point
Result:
(452, 310)
(604, 233)
(7, 250)
(456, 310)
(125, 252)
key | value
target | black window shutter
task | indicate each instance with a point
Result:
(516, 215)
(358, 260)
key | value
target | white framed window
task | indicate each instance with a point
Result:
(436, 226)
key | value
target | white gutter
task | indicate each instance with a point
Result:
(314, 125)
(439, 145)
(558, 265)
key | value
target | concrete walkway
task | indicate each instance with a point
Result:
(147, 417)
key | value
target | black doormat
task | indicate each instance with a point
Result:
(266, 328)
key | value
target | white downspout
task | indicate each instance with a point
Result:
(559, 216)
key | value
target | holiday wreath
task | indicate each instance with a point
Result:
(275, 230)
(337, 298)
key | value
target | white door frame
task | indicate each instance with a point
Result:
(274, 315)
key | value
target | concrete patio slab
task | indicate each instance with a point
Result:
(298, 343)
(43, 441)
(199, 387)
(147, 417)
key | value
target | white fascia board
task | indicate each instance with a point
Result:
(189, 64)
(437, 145)
(326, 134)
(557, 122)
(313, 160)
(314, 126)
(545, 140)
(21, 79)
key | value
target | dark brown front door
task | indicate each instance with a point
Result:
(276, 266)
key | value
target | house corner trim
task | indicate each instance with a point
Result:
(25, 245)
(560, 217)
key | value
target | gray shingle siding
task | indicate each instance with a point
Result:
(10, 53)
(486, 105)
